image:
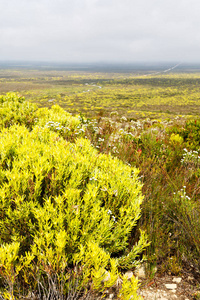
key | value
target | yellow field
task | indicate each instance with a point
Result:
(131, 95)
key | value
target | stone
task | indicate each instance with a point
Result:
(107, 277)
(171, 286)
(140, 272)
(190, 278)
(177, 279)
(111, 296)
(118, 282)
(129, 274)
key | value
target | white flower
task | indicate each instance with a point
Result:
(114, 219)
(123, 118)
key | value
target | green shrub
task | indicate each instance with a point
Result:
(67, 213)
(15, 110)
(189, 131)
(176, 139)
(58, 120)
(185, 214)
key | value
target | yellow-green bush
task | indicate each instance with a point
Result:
(15, 110)
(67, 213)
(60, 121)
(176, 139)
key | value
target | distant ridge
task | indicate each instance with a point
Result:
(153, 68)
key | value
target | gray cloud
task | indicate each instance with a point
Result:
(100, 30)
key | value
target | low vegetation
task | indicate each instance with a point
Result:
(167, 154)
(91, 93)
(84, 198)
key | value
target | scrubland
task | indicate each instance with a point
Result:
(99, 173)
(132, 95)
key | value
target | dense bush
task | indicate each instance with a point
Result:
(190, 132)
(15, 110)
(67, 212)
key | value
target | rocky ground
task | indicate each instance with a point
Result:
(166, 286)
(170, 287)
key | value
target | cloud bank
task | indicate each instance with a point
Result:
(100, 30)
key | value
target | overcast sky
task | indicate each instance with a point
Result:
(100, 30)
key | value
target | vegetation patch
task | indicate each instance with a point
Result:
(67, 211)
(72, 208)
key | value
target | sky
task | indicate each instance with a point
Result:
(100, 30)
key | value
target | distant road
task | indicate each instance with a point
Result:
(165, 71)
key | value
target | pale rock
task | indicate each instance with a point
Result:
(140, 272)
(129, 274)
(190, 278)
(107, 277)
(171, 286)
(111, 296)
(177, 279)
(118, 282)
